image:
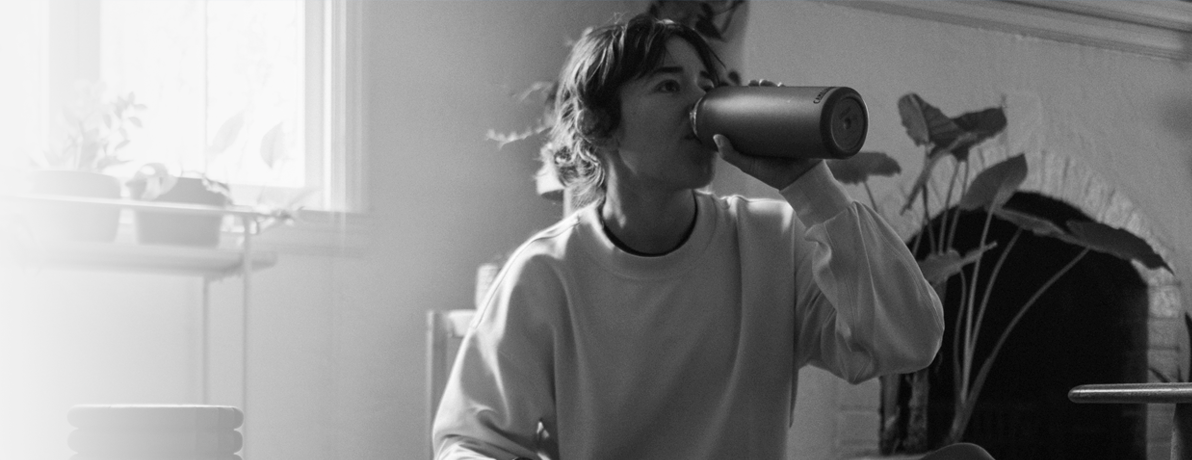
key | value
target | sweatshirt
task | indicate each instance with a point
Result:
(583, 351)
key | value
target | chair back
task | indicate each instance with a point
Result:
(444, 331)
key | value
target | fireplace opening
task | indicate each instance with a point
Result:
(1088, 327)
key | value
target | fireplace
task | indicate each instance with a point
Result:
(1090, 326)
(1106, 321)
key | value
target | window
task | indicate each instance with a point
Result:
(22, 46)
(253, 93)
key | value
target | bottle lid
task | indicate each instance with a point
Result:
(848, 124)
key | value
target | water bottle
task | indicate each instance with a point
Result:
(784, 121)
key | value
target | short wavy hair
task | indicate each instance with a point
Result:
(587, 106)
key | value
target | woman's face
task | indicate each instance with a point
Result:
(654, 144)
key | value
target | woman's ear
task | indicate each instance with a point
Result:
(596, 125)
(610, 141)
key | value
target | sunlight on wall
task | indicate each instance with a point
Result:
(84, 337)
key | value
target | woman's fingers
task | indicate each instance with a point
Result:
(775, 172)
(764, 82)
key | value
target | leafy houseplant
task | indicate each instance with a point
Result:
(95, 130)
(988, 192)
(154, 182)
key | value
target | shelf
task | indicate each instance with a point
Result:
(129, 256)
(173, 208)
(141, 258)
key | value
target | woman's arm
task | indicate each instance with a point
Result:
(863, 306)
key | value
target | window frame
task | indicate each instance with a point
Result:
(334, 128)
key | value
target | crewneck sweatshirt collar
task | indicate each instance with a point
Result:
(603, 251)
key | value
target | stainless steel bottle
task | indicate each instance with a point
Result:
(784, 121)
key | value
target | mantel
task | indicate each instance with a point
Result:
(1161, 29)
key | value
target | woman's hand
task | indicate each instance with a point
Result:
(776, 172)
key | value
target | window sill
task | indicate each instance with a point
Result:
(316, 233)
(123, 256)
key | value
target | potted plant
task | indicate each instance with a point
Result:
(905, 431)
(95, 131)
(154, 182)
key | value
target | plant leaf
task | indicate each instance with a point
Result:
(939, 267)
(545, 88)
(273, 146)
(1037, 225)
(984, 123)
(927, 125)
(220, 188)
(911, 108)
(135, 121)
(1117, 242)
(924, 123)
(859, 167)
(994, 186)
(977, 127)
(504, 139)
(227, 134)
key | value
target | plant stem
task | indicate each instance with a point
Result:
(997, 267)
(927, 223)
(944, 243)
(970, 300)
(960, 422)
(956, 352)
(964, 184)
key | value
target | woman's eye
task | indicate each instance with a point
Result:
(668, 86)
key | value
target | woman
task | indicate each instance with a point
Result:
(661, 321)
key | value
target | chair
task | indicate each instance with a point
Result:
(444, 331)
(1179, 394)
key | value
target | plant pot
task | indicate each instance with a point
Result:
(167, 228)
(74, 221)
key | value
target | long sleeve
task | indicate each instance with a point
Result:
(863, 308)
(500, 385)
